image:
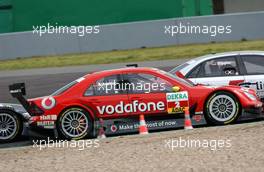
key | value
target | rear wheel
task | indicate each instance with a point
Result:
(75, 123)
(222, 108)
(11, 126)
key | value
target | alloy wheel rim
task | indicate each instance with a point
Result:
(8, 126)
(222, 108)
(74, 123)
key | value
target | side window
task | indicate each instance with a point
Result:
(109, 85)
(194, 73)
(146, 83)
(254, 64)
(90, 91)
(220, 67)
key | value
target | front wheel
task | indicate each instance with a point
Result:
(75, 123)
(222, 108)
(11, 126)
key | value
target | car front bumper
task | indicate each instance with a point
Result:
(255, 108)
(252, 113)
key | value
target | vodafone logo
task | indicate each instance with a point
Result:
(113, 128)
(48, 103)
(135, 106)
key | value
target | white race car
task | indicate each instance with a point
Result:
(244, 68)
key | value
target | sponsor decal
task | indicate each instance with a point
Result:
(260, 85)
(46, 124)
(135, 106)
(48, 103)
(150, 124)
(179, 96)
(45, 121)
(176, 102)
(197, 118)
(15, 91)
(260, 89)
(113, 128)
(260, 94)
(48, 118)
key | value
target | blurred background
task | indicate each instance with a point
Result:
(17, 15)
(130, 32)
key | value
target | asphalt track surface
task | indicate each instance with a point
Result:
(42, 82)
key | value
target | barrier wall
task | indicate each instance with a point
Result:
(248, 26)
(87, 12)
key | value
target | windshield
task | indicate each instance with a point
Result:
(178, 68)
(63, 89)
(186, 82)
(66, 87)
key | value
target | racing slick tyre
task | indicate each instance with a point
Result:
(222, 108)
(75, 124)
(11, 126)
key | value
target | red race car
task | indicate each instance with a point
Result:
(120, 96)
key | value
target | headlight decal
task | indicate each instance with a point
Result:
(250, 96)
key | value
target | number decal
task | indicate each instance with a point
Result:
(177, 104)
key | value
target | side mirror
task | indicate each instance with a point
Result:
(176, 89)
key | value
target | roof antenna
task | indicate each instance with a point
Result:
(132, 65)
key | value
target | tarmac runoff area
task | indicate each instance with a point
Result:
(227, 148)
(42, 82)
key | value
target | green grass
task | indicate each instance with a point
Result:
(143, 54)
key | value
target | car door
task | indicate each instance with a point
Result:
(217, 72)
(149, 92)
(254, 72)
(106, 97)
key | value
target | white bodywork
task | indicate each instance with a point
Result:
(224, 80)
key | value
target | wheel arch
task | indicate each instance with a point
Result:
(91, 115)
(12, 110)
(210, 96)
(221, 90)
(86, 108)
(19, 121)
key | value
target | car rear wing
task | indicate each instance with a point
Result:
(18, 91)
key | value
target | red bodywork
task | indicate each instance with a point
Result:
(74, 96)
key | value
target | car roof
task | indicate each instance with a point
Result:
(195, 61)
(122, 70)
(230, 53)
